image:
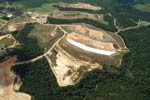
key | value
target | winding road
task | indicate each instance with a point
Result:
(65, 34)
(44, 55)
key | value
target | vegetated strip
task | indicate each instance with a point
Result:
(29, 48)
(52, 20)
(80, 9)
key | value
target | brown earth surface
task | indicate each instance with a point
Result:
(7, 82)
(80, 5)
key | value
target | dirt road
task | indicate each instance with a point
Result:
(44, 55)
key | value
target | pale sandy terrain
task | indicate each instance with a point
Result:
(91, 42)
(80, 5)
(15, 26)
(78, 14)
(85, 6)
(68, 67)
(4, 36)
(95, 34)
(90, 49)
(7, 82)
(66, 71)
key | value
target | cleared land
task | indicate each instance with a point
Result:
(78, 14)
(7, 82)
(71, 49)
(80, 5)
(39, 81)
(95, 33)
(68, 70)
(90, 49)
(69, 62)
(46, 35)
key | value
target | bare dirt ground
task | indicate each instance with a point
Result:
(4, 36)
(67, 68)
(67, 65)
(93, 43)
(7, 82)
(80, 5)
(78, 14)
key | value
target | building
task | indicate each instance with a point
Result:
(41, 18)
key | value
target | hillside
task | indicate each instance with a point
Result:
(76, 49)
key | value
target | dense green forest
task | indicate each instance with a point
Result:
(109, 27)
(29, 47)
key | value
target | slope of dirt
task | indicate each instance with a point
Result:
(7, 82)
(80, 5)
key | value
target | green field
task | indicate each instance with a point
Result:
(45, 8)
(6, 42)
(43, 35)
(25, 4)
(143, 7)
(2, 22)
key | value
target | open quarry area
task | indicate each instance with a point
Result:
(74, 50)
(82, 49)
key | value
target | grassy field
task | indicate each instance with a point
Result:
(41, 6)
(25, 4)
(44, 35)
(7, 42)
(2, 22)
(20, 19)
(29, 48)
(143, 7)
(44, 8)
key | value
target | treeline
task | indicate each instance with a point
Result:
(137, 41)
(125, 1)
(127, 15)
(40, 82)
(109, 27)
(29, 47)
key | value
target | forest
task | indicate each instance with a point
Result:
(109, 27)
(29, 47)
